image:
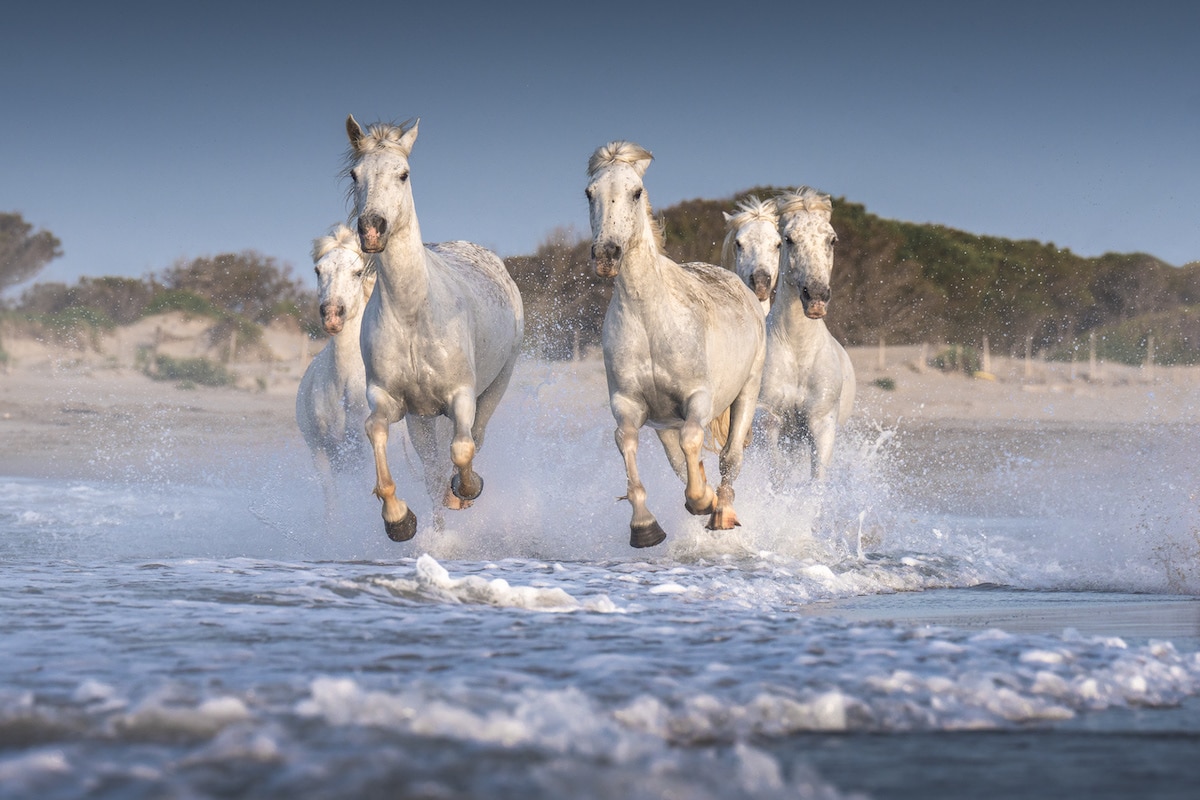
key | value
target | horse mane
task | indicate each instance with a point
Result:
(618, 152)
(638, 157)
(344, 238)
(805, 198)
(748, 210)
(382, 136)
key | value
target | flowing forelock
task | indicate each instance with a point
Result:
(805, 198)
(618, 152)
(751, 209)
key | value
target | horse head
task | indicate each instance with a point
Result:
(345, 278)
(378, 167)
(752, 246)
(807, 255)
(618, 208)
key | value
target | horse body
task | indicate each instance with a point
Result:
(440, 335)
(331, 404)
(682, 344)
(808, 381)
(752, 245)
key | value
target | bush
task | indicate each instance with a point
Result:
(886, 384)
(957, 358)
(189, 371)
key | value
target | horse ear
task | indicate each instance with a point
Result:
(727, 216)
(354, 131)
(410, 137)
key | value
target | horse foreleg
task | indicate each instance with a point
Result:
(699, 497)
(399, 521)
(465, 484)
(822, 431)
(644, 530)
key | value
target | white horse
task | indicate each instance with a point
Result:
(682, 344)
(808, 381)
(440, 335)
(751, 248)
(331, 403)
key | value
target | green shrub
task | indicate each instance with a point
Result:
(957, 358)
(886, 384)
(190, 371)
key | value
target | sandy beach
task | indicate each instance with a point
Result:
(61, 407)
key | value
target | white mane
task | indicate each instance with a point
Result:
(382, 136)
(805, 198)
(341, 237)
(748, 210)
(619, 152)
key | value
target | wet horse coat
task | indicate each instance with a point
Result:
(682, 344)
(808, 381)
(440, 335)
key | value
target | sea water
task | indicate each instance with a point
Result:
(993, 612)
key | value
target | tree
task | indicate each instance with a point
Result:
(22, 252)
(246, 283)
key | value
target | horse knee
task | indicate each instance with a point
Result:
(691, 438)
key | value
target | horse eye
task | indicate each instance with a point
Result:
(358, 273)
(789, 241)
(404, 176)
(737, 244)
(588, 193)
(637, 194)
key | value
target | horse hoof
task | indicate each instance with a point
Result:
(723, 519)
(454, 487)
(403, 529)
(709, 507)
(646, 535)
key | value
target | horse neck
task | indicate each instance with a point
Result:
(403, 269)
(347, 354)
(643, 271)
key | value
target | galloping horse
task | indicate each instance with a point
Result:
(808, 380)
(331, 403)
(440, 335)
(682, 344)
(751, 247)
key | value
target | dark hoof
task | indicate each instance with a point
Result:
(454, 483)
(403, 529)
(646, 535)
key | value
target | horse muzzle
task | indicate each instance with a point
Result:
(372, 233)
(815, 301)
(760, 282)
(606, 259)
(333, 318)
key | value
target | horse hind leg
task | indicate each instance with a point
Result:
(741, 418)
(399, 522)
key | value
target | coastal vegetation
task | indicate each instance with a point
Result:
(899, 282)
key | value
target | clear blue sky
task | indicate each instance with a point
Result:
(146, 133)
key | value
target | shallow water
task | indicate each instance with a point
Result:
(987, 612)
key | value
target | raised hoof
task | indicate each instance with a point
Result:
(402, 529)
(646, 535)
(723, 520)
(706, 506)
(454, 487)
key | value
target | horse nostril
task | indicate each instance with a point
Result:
(374, 222)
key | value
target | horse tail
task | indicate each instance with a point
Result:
(718, 432)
